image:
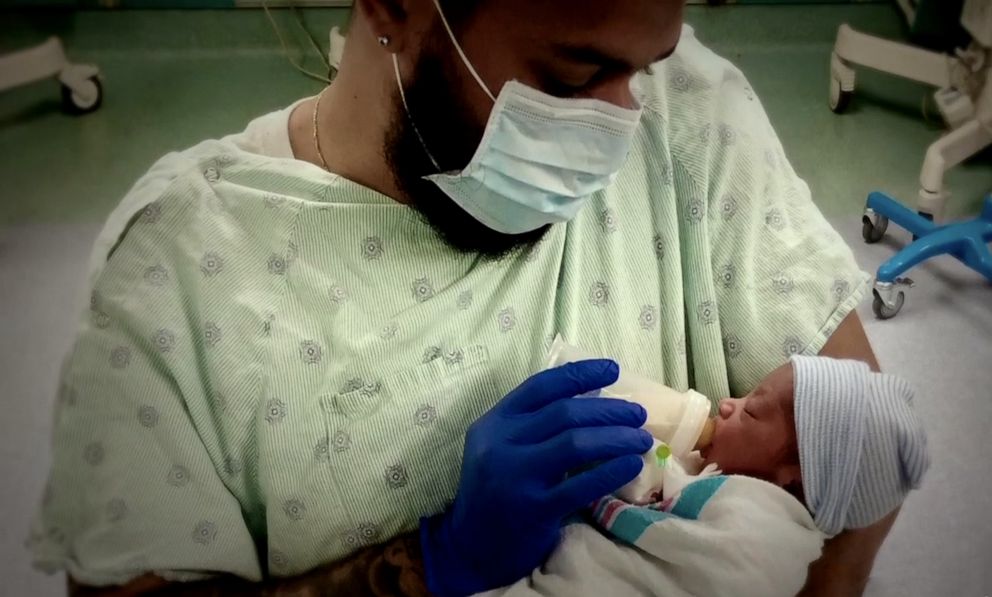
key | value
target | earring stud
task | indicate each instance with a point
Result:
(383, 40)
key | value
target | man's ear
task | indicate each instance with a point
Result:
(386, 18)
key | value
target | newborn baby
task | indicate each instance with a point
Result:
(845, 442)
(841, 438)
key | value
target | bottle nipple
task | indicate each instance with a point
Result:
(706, 437)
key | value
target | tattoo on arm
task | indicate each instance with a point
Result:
(393, 569)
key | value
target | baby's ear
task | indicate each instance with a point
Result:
(789, 475)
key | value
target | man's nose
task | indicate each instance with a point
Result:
(727, 407)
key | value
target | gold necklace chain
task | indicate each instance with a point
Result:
(316, 138)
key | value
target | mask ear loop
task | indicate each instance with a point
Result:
(461, 54)
(406, 108)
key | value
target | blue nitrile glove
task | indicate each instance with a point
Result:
(513, 492)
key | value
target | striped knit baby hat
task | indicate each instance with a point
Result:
(861, 446)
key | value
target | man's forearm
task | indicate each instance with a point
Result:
(846, 563)
(394, 568)
(844, 567)
(849, 341)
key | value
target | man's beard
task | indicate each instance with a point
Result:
(451, 135)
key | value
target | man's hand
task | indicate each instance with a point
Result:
(514, 494)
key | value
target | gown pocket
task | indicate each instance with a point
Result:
(394, 445)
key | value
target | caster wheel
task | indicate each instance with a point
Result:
(83, 100)
(883, 311)
(839, 99)
(873, 231)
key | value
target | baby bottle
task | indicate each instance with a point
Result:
(680, 419)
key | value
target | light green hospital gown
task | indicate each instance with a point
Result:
(278, 365)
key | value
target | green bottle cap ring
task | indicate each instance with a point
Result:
(661, 453)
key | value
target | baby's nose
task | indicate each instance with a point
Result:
(726, 407)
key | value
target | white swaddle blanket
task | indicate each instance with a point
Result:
(725, 535)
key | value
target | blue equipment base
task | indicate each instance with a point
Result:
(967, 241)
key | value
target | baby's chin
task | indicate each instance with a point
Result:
(711, 455)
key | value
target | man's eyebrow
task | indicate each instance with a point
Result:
(591, 55)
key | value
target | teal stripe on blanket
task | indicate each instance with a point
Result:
(694, 497)
(631, 522)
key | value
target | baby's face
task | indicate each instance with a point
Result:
(756, 435)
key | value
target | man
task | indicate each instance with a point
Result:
(295, 331)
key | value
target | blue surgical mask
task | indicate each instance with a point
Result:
(540, 157)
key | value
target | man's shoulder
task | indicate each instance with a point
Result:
(697, 60)
(692, 84)
(192, 173)
(182, 189)
(701, 109)
(200, 162)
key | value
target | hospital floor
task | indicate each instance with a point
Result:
(173, 78)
